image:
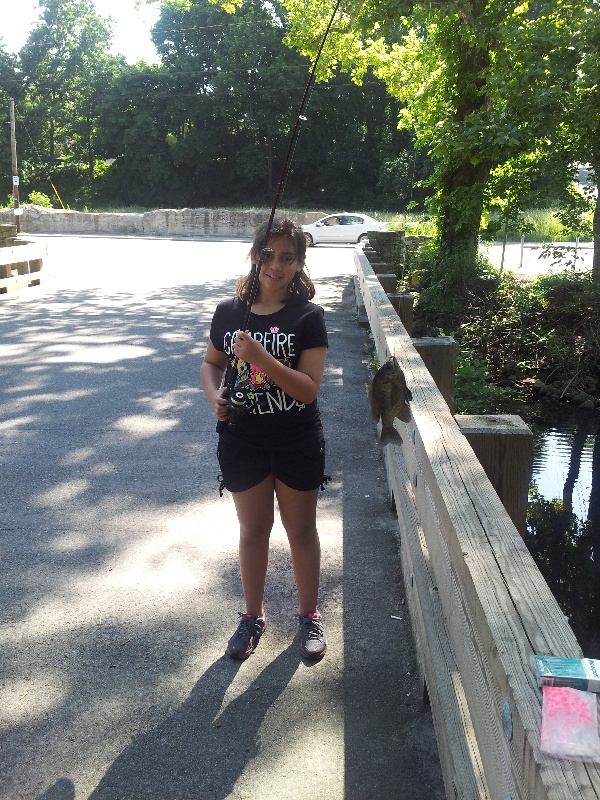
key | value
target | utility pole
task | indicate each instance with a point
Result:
(13, 147)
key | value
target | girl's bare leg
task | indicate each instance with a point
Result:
(299, 517)
(255, 514)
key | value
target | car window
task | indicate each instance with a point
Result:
(353, 220)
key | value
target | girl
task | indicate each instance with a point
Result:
(275, 448)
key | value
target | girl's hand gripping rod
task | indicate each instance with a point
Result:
(239, 404)
(238, 401)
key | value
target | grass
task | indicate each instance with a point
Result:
(546, 227)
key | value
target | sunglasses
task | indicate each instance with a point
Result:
(267, 256)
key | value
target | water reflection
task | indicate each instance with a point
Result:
(563, 517)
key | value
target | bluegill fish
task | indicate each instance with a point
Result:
(389, 396)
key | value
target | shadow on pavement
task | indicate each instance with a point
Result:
(201, 750)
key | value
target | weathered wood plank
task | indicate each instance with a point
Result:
(503, 445)
(388, 281)
(460, 758)
(497, 608)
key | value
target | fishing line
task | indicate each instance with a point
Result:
(231, 372)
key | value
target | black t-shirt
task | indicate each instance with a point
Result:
(298, 326)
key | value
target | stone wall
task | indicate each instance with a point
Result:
(196, 222)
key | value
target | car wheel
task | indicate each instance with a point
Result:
(309, 240)
(364, 237)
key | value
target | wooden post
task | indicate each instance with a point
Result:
(15, 172)
(379, 267)
(361, 313)
(403, 303)
(388, 281)
(503, 445)
(439, 356)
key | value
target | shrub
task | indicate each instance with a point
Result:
(39, 199)
(548, 329)
(474, 393)
(450, 284)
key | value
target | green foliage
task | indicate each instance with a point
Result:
(374, 361)
(474, 391)
(548, 329)
(487, 89)
(402, 180)
(513, 335)
(538, 225)
(212, 125)
(65, 69)
(450, 282)
(39, 199)
(413, 224)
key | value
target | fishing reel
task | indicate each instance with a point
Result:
(239, 402)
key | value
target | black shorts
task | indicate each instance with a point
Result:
(245, 464)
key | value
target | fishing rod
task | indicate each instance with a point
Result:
(238, 401)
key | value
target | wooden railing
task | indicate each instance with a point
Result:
(480, 609)
(20, 265)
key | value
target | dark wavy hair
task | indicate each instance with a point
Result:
(301, 285)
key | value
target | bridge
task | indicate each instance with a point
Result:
(480, 608)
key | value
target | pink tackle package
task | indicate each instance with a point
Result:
(570, 724)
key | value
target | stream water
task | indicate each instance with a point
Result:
(563, 518)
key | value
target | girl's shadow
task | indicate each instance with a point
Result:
(192, 754)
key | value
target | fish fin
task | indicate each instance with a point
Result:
(405, 416)
(389, 436)
(374, 413)
(407, 393)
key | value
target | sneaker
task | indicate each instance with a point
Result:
(312, 637)
(245, 640)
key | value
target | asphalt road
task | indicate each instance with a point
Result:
(120, 582)
(530, 260)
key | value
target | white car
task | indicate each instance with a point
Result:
(342, 227)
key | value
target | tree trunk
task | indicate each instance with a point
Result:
(461, 206)
(596, 228)
(463, 179)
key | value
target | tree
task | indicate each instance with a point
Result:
(240, 86)
(350, 133)
(134, 130)
(582, 122)
(483, 82)
(220, 111)
(66, 65)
